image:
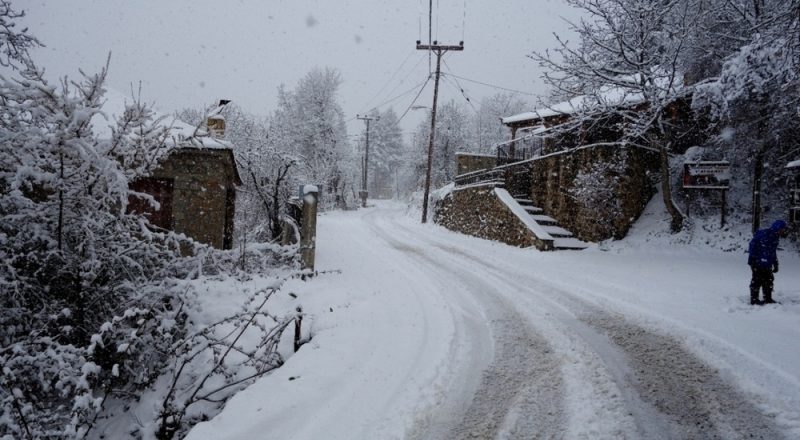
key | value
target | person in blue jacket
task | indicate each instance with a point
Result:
(763, 260)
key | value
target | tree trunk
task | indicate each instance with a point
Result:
(677, 218)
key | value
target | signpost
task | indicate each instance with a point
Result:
(794, 192)
(708, 176)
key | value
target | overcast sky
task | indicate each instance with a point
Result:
(190, 53)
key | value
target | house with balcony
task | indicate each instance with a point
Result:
(564, 179)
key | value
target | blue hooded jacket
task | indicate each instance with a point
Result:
(764, 246)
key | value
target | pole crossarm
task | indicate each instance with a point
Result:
(439, 47)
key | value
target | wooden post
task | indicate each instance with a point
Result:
(298, 322)
(724, 207)
(440, 50)
(308, 233)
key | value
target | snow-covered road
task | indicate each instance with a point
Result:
(428, 334)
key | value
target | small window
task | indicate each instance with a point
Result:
(159, 189)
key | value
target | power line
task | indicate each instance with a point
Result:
(458, 88)
(490, 85)
(400, 95)
(415, 100)
(464, 22)
(390, 79)
(410, 72)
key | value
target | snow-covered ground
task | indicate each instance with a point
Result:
(427, 334)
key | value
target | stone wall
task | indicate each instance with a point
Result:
(468, 162)
(477, 211)
(204, 194)
(550, 182)
(554, 176)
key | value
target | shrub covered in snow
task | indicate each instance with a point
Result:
(93, 299)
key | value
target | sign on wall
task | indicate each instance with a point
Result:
(707, 175)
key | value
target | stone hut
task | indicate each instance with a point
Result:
(195, 186)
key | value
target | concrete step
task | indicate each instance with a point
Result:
(545, 220)
(569, 244)
(532, 210)
(557, 231)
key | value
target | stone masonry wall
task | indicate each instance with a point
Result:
(203, 182)
(468, 162)
(554, 177)
(478, 212)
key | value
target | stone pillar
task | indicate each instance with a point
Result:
(308, 232)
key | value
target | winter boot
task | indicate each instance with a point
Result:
(768, 293)
(754, 301)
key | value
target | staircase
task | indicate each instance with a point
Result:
(562, 238)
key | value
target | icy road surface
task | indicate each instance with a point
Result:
(428, 334)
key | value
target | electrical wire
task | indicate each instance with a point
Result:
(464, 21)
(490, 85)
(410, 72)
(458, 88)
(390, 79)
(400, 95)
(415, 100)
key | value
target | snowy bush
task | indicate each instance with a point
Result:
(81, 278)
(596, 189)
(215, 361)
(92, 306)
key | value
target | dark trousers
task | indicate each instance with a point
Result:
(762, 280)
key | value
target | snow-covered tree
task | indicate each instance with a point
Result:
(386, 151)
(14, 45)
(753, 97)
(73, 257)
(309, 122)
(486, 129)
(626, 64)
(452, 135)
(268, 171)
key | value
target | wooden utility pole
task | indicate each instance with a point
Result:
(364, 174)
(439, 50)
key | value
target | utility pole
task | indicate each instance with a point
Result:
(364, 192)
(439, 50)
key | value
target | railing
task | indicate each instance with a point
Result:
(519, 150)
(492, 175)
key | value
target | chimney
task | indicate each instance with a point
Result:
(216, 122)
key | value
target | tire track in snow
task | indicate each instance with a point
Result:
(520, 395)
(670, 392)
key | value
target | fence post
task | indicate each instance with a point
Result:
(298, 322)
(308, 233)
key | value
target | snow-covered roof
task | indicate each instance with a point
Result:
(612, 97)
(606, 96)
(793, 164)
(182, 134)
